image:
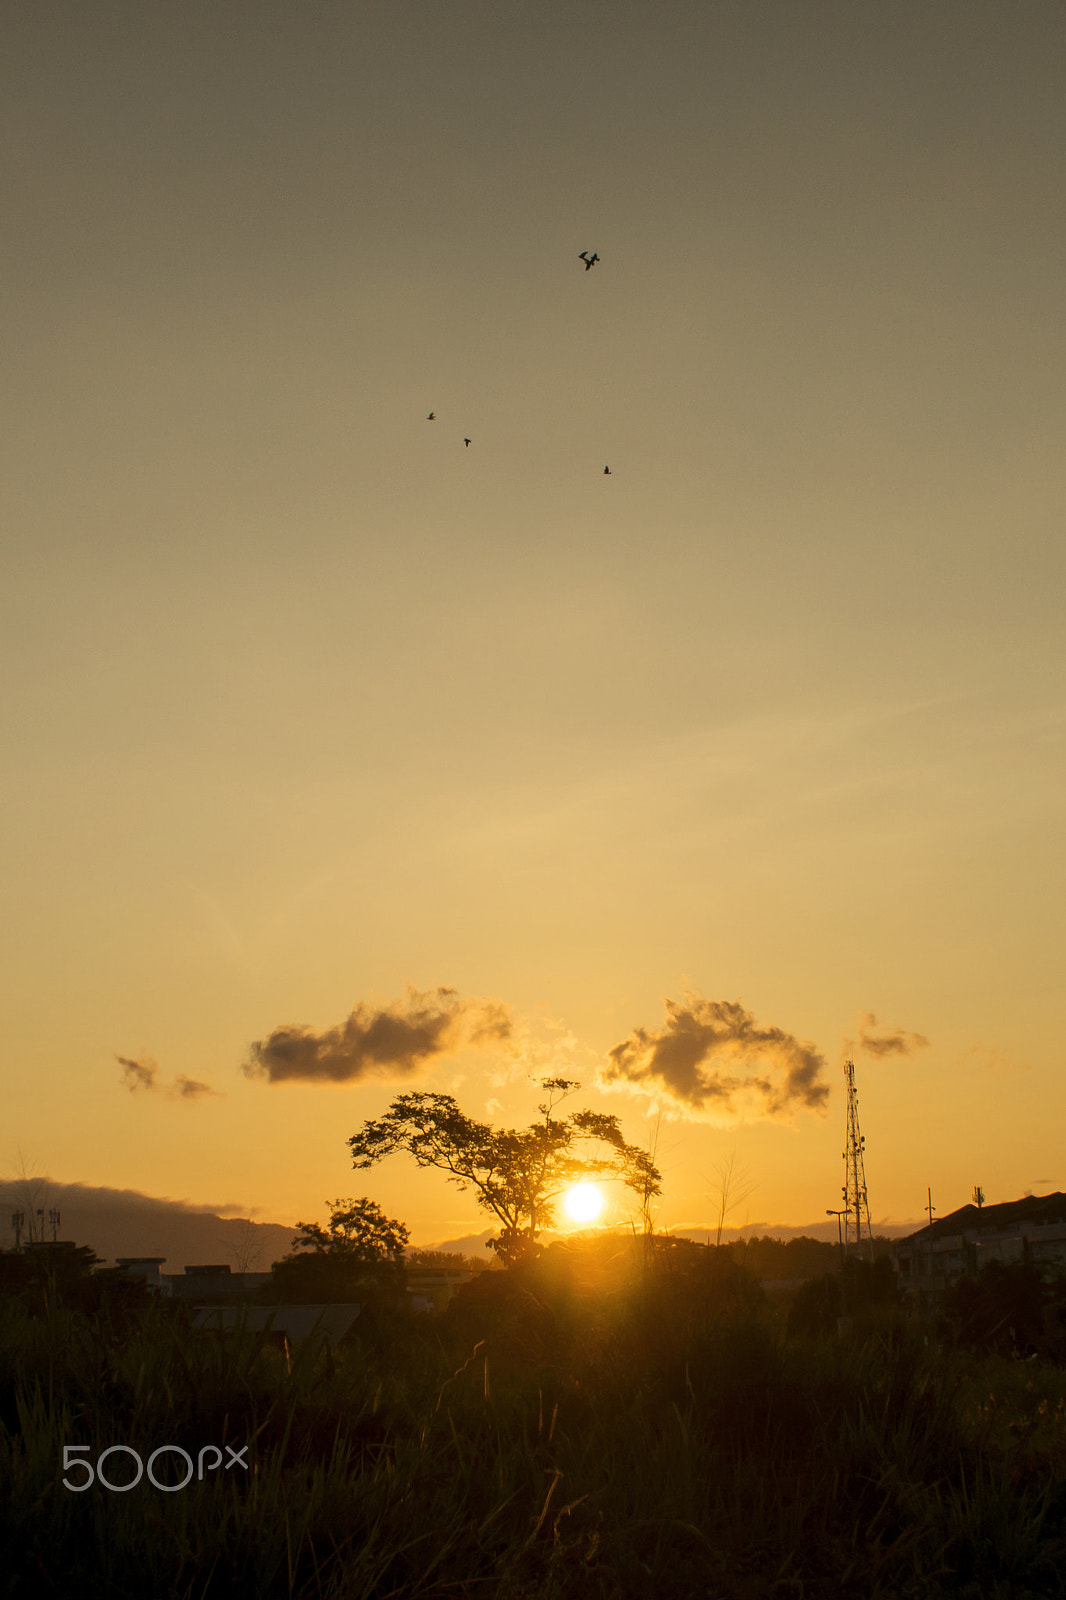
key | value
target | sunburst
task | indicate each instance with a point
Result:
(583, 1203)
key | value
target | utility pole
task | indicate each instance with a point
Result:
(856, 1205)
(844, 1290)
(840, 1233)
(978, 1196)
(18, 1219)
(929, 1206)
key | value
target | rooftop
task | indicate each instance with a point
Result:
(1036, 1210)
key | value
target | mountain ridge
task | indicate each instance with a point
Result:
(127, 1222)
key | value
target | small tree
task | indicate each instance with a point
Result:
(517, 1174)
(32, 1193)
(70, 1275)
(446, 1259)
(360, 1250)
(647, 1186)
(244, 1245)
(730, 1188)
(359, 1231)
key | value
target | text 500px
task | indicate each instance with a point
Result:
(73, 1458)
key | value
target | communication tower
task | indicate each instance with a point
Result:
(856, 1205)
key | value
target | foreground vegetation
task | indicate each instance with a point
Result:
(610, 1421)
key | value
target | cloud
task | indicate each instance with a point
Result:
(712, 1059)
(543, 1046)
(396, 1039)
(896, 1042)
(190, 1088)
(144, 1074)
(138, 1074)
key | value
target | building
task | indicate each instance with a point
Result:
(146, 1267)
(214, 1282)
(430, 1288)
(1030, 1231)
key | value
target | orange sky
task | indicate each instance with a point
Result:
(306, 701)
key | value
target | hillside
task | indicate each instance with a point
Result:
(123, 1222)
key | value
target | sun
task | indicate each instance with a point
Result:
(583, 1202)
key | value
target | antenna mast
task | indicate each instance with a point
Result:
(856, 1205)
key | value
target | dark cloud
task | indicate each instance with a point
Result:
(396, 1039)
(138, 1074)
(144, 1074)
(191, 1088)
(894, 1042)
(712, 1057)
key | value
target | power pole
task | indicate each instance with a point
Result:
(843, 1279)
(978, 1196)
(840, 1236)
(929, 1206)
(856, 1205)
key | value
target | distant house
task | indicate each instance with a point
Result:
(428, 1288)
(146, 1267)
(214, 1282)
(431, 1288)
(1031, 1230)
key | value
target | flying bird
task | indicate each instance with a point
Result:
(607, 472)
(467, 443)
(432, 417)
(589, 260)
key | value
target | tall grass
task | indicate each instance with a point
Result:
(598, 1433)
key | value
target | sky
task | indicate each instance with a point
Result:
(689, 780)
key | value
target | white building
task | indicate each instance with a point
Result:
(1031, 1231)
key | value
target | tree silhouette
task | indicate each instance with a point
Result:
(33, 1192)
(446, 1259)
(244, 1245)
(361, 1251)
(359, 1231)
(517, 1174)
(730, 1187)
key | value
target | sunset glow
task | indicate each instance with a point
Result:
(583, 1203)
(361, 739)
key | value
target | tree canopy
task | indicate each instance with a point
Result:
(517, 1174)
(361, 1250)
(359, 1231)
(446, 1259)
(72, 1274)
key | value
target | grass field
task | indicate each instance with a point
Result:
(588, 1427)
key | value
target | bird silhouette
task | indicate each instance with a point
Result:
(467, 443)
(590, 260)
(607, 472)
(432, 417)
